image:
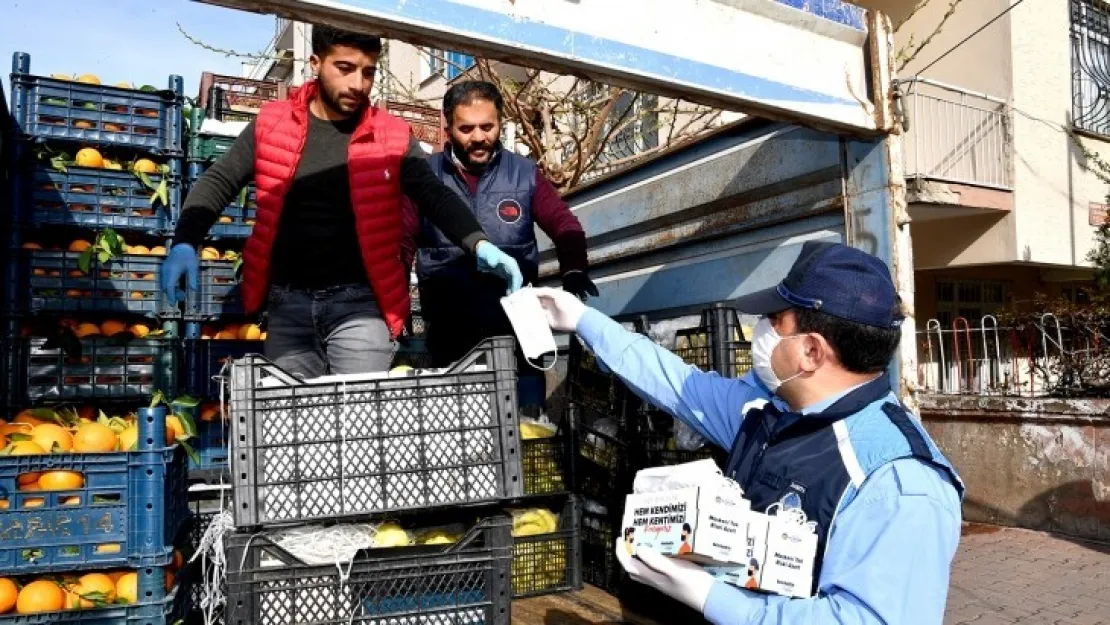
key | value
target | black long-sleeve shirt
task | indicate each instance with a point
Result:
(317, 243)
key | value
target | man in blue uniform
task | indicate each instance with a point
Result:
(814, 426)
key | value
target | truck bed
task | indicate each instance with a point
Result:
(589, 606)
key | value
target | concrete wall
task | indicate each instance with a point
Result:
(1038, 464)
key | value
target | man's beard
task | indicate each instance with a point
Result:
(333, 103)
(463, 156)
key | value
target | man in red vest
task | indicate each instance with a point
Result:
(324, 255)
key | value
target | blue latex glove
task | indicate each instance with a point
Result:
(182, 261)
(493, 260)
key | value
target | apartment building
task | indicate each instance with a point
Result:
(1001, 204)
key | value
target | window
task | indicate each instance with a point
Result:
(1090, 38)
(450, 64)
(969, 299)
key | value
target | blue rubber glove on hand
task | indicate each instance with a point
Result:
(493, 260)
(182, 261)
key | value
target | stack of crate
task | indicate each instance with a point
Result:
(437, 456)
(92, 491)
(216, 328)
(616, 434)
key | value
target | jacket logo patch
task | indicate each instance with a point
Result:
(509, 211)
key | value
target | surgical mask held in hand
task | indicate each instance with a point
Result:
(764, 341)
(530, 324)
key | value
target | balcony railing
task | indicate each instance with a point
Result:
(956, 135)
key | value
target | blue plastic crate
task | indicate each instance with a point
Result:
(219, 293)
(127, 514)
(94, 198)
(160, 607)
(106, 368)
(202, 376)
(54, 282)
(49, 108)
(241, 211)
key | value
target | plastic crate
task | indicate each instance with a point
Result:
(205, 361)
(94, 198)
(106, 368)
(233, 98)
(160, 607)
(127, 514)
(717, 345)
(544, 462)
(241, 211)
(549, 563)
(468, 582)
(123, 285)
(599, 532)
(354, 445)
(219, 293)
(205, 148)
(588, 384)
(601, 462)
(49, 108)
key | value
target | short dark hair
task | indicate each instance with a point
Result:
(468, 91)
(324, 37)
(860, 348)
(686, 527)
(628, 531)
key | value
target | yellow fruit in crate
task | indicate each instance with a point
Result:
(86, 330)
(114, 166)
(249, 332)
(113, 327)
(40, 596)
(9, 592)
(89, 79)
(139, 330)
(129, 438)
(158, 250)
(127, 588)
(95, 438)
(391, 535)
(125, 85)
(52, 438)
(138, 250)
(89, 157)
(61, 480)
(145, 166)
(262, 337)
(100, 583)
(27, 417)
(175, 431)
(80, 245)
(529, 431)
(439, 537)
(209, 253)
(74, 597)
(224, 219)
(229, 333)
(534, 521)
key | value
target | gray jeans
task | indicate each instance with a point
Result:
(330, 331)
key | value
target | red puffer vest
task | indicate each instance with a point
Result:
(374, 159)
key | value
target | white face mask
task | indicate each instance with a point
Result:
(764, 341)
(530, 325)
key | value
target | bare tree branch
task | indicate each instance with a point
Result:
(909, 52)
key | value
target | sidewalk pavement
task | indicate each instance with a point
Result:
(1005, 576)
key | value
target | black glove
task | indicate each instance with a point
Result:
(578, 283)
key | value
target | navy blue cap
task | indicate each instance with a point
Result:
(837, 280)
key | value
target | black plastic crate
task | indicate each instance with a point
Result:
(94, 198)
(51, 108)
(717, 345)
(307, 451)
(600, 523)
(237, 219)
(601, 459)
(54, 282)
(590, 385)
(461, 584)
(219, 293)
(549, 563)
(544, 464)
(208, 366)
(105, 368)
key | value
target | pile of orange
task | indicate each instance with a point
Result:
(233, 332)
(88, 591)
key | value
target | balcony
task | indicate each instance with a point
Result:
(957, 136)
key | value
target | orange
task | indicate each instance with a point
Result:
(209, 412)
(210, 253)
(71, 501)
(262, 337)
(87, 413)
(225, 219)
(175, 431)
(99, 582)
(8, 595)
(52, 438)
(28, 418)
(80, 245)
(88, 157)
(86, 330)
(158, 250)
(34, 502)
(31, 245)
(74, 592)
(26, 448)
(139, 330)
(178, 560)
(90, 79)
(32, 487)
(5, 504)
(169, 580)
(108, 548)
(95, 438)
(229, 333)
(139, 250)
(83, 124)
(146, 166)
(75, 293)
(112, 327)
(127, 588)
(129, 438)
(40, 596)
(38, 272)
(137, 295)
(115, 575)
(249, 332)
(61, 480)
(15, 428)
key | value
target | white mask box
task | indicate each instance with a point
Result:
(704, 524)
